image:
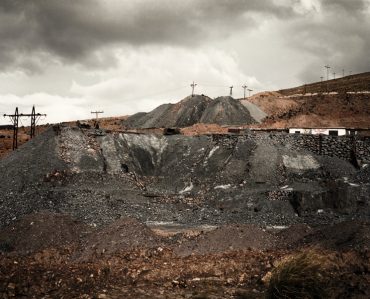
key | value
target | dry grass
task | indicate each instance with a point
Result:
(302, 276)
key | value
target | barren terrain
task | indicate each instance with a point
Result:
(118, 212)
(346, 104)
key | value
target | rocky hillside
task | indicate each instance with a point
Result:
(334, 110)
(97, 177)
(353, 83)
(193, 110)
(346, 105)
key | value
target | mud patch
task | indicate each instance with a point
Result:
(42, 230)
(123, 234)
(228, 238)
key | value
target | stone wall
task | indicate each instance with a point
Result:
(344, 147)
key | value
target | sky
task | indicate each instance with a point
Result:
(71, 57)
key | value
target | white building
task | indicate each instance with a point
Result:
(323, 131)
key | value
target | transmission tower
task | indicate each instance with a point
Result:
(231, 90)
(327, 71)
(192, 88)
(245, 88)
(15, 120)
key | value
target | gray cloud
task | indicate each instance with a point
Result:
(75, 30)
(338, 35)
(348, 7)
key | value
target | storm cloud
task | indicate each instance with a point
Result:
(80, 30)
(121, 55)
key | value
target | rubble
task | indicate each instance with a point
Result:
(99, 178)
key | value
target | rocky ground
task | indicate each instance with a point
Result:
(90, 214)
(99, 177)
(117, 213)
(46, 255)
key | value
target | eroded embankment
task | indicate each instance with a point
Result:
(98, 177)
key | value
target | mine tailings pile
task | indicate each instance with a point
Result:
(193, 110)
(98, 177)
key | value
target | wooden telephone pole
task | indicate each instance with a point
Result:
(97, 114)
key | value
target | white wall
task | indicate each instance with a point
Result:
(341, 132)
(300, 130)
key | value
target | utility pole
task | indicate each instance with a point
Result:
(33, 122)
(245, 88)
(231, 91)
(327, 77)
(322, 78)
(334, 75)
(249, 90)
(327, 72)
(15, 120)
(192, 88)
(97, 114)
(342, 72)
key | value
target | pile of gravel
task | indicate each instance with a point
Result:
(99, 177)
(192, 110)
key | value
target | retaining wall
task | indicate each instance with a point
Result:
(344, 147)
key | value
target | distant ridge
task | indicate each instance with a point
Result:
(347, 104)
(357, 82)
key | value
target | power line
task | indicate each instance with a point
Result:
(211, 85)
(159, 93)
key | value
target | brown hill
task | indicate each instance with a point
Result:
(346, 105)
(353, 83)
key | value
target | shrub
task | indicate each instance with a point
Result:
(302, 276)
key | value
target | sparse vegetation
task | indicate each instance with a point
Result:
(300, 276)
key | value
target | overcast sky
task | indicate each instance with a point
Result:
(123, 56)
